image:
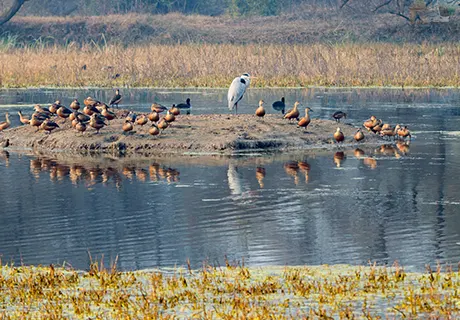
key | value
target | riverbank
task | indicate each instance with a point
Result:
(235, 292)
(217, 133)
(215, 66)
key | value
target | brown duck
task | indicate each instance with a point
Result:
(370, 123)
(5, 124)
(163, 124)
(359, 135)
(154, 116)
(90, 110)
(63, 112)
(404, 133)
(75, 105)
(127, 126)
(260, 111)
(96, 123)
(80, 126)
(293, 113)
(91, 102)
(109, 115)
(154, 130)
(338, 135)
(142, 120)
(45, 111)
(49, 125)
(55, 106)
(157, 107)
(36, 120)
(23, 119)
(174, 110)
(305, 121)
(169, 117)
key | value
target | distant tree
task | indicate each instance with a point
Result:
(9, 13)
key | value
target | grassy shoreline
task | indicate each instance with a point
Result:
(231, 292)
(214, 66)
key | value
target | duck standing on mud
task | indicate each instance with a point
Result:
(305, 121)
(236, 91)
(293, 113)
(338, 135)
(5, 124)
(260, 111)
(75, 105)
(359, 135)
(48, 125)
(96, 122)
(279, 105)
(116, 99)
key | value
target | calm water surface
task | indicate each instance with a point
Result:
(388, 203)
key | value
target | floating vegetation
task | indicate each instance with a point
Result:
(230, 292)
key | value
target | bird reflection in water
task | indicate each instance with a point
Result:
(358, 153)
(5, 155)
(304, 167)
(260, 175)
(339, 157)
(403, 147)
(292, 169)
(240, 190)
(90, 176)
(370, 162)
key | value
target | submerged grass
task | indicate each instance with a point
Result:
(208, 65)
(231, 292)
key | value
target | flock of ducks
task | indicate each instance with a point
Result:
(373, 124)
(97, 114)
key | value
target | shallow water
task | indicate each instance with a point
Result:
(382, 204)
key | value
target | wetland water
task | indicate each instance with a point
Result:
(341, 206)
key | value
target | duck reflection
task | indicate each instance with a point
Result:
(403, 147)
(370, 162)
(5, 155)
(292, 169)
(339, 157)
(98, 174)
(358, 153)
(305, 169)
(260, 175)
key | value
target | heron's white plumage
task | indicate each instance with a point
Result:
(237, 90)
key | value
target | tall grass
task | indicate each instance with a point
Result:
(216, 65)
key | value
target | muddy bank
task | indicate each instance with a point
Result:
(221, 134)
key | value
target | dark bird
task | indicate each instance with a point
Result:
(187, 105)
(116, 99)
(279, 105)
(339, 115)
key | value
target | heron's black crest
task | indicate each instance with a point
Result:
(246, 74)
(243, 81)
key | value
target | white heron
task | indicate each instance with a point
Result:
(237, 90)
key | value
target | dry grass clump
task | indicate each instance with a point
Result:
(231, 292)
(217, 65)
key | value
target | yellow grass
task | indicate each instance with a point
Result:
(323, 292)
(216, 65)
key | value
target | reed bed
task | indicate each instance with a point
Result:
(216, 65)
(231, 292)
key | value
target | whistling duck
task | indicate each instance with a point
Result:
(370, 123)
(63, 112)
(305, 121)
(338, 158)
(5, 124)
(74, 122)
(75, 105)
(142, 120)
(260, 111)
(279, 105)
(154, 116)
(97, 123)
(163, 124)
(157, 108)
(169, 117)
(359, 135)
(116, 99)
(260, 175)
(127, 126)
(404, 133)
(338, 135)
(23, 119)
(91, 102)
(45, 111)
(80, 116)
(378, 126)
(339, 115)
(80, 126)
(174, 110)
(293, 113)
(90, 110)
(36, 120)
(109, 115)
(48, 125)
(55, 106)
(154, 130)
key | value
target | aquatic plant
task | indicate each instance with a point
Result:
(231, 292)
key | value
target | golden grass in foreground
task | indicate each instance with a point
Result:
(343, 292)
(217, 65)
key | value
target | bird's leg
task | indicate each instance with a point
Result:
(236, 108)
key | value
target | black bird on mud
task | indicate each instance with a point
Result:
(339, 115)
